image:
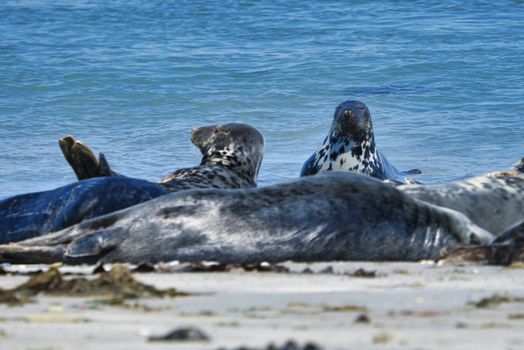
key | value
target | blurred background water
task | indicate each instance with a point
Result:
(443, 81)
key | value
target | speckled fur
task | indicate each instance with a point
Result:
(493, 201)
(232, 154)
(338, 153)
(350, 146)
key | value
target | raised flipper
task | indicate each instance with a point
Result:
(83, 161)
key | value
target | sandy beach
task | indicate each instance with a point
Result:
(333, 305)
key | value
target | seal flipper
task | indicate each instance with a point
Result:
(83, 161)
(73, 246)
(65, 145)
(104, 167)
(309, 167)
(514, 234)
(80, 158)
(90, 249)
(20, 254)
(503, 250)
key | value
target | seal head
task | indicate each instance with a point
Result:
(231, 158)
(350, 146)
(352, 120)
(239, 147)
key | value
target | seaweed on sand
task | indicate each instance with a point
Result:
(118, 283)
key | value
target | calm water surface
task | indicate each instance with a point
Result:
(444, 82)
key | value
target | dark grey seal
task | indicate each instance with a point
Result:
(350, 146)
(493, 201)
(232, 154)
(336, 216)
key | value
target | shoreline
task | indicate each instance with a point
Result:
(405, 306)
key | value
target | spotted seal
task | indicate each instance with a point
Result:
(232, 154)
(494, 201)
(350, 146)
(334, 216)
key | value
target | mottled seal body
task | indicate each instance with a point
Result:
(336, 216)
(350, 146)
(493, 201)
(232, 154)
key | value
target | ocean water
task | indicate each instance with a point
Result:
(443, 80)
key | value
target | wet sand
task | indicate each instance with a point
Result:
(405, 306)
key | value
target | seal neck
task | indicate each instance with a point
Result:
(244, 162)
(344, 153)
(340, 143)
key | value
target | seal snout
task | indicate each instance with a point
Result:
(351, 117)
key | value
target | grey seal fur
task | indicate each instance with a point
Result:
(494, 201)
(350, 146)
(335, 216)
(232, 154)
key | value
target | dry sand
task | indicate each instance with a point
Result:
(408, 306)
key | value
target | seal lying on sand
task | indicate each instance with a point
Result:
(232, 154)
(350, 146)
(335, 216)
(493, 201)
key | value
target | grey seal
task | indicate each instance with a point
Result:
(232, 154)
(231, 158)
(334, 216)
(350, 146)
(494, 201)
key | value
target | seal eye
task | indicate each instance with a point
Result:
(362, 109)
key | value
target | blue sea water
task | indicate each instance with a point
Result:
(443, 80)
